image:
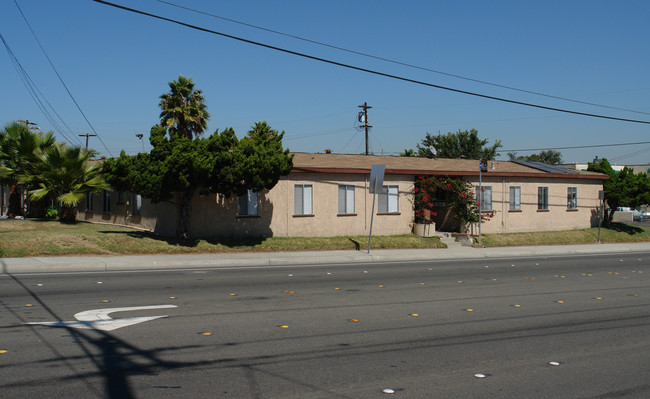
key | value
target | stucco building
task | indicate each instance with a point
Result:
(327, 195)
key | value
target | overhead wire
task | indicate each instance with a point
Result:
(35, 92)
(577, 147)
(61, 79)
(366, 70)
(397, 62)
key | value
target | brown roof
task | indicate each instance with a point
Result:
(352, 163)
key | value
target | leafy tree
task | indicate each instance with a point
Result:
(177, 167)
(19, 156)
(183, 109)
(458, 193)
(69, 174)
(408, 152)
(623, 188)
(550, 157)
(462, 144)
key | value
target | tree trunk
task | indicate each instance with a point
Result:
(68, 214)
(184, 214)
(37, 208)
(15, 209)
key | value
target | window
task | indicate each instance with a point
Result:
(346, 200)
(542, 198)
(389, 200)
(247, 205)
(515, 198)
(572, 198)
(302, 200)
(484, 198)
(136, 201)
(89, 202)
(107, 201)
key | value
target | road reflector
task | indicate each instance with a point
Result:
(554, 363)
(469, 310)
(105, 300)
(414, 314)
(284, 326)
(206, 333)
(353, 320)
(388, 390)
(480, 375)
(3, 351)
(28, 305)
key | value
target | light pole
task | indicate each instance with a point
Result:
(482, 167)
(140, 136)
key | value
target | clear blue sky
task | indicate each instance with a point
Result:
(117, 64)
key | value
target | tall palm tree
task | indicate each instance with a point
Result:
(183, 109)
(19, 156)
(69, 174)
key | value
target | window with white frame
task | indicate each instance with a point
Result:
(572, 198)
(302, 199)
(107, 201)
(542, 198)
(484, 197)
(89, 202)
(389, 200)
(515, 198)
(346, 199)
(247, 204)
(136, 204)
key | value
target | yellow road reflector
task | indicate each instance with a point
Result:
(517, 306)
(105, 300)
(353, 320)
(28, 304)
(560, 301)
(414, 314)
(634, 294)
(172, 297)
(460, 281)
(206, 333)
(3, 351)
(284, 326)
(381, 286)
(469, 310)
(233, 294)
(598, 297)
(337, 288)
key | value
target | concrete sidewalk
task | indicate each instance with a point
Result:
(98, 263)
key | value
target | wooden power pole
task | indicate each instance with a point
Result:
(363, 117)
(86, 136)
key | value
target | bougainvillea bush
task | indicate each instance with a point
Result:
(458, 194)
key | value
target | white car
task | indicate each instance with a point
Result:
(636, 214)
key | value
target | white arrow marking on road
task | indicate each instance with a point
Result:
(99, 319)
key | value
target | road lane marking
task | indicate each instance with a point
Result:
(99, 319)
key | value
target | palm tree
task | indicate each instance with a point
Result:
(19, 156)
(183, 109)
(69, 174)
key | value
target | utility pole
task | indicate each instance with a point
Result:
(140, 136)
(363, 117)
(86, 136)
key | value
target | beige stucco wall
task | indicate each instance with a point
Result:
(326, 221)
(558, 217)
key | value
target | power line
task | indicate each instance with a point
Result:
(61, 79)
(575, 147)
(365, 69)
(34, 92)
(396, 62)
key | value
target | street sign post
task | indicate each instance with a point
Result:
(376, 185)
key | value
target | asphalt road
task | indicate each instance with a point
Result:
(421, 329)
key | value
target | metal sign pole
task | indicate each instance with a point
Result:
(372, 216)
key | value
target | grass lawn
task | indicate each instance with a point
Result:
(34, 237)
(619, 232)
